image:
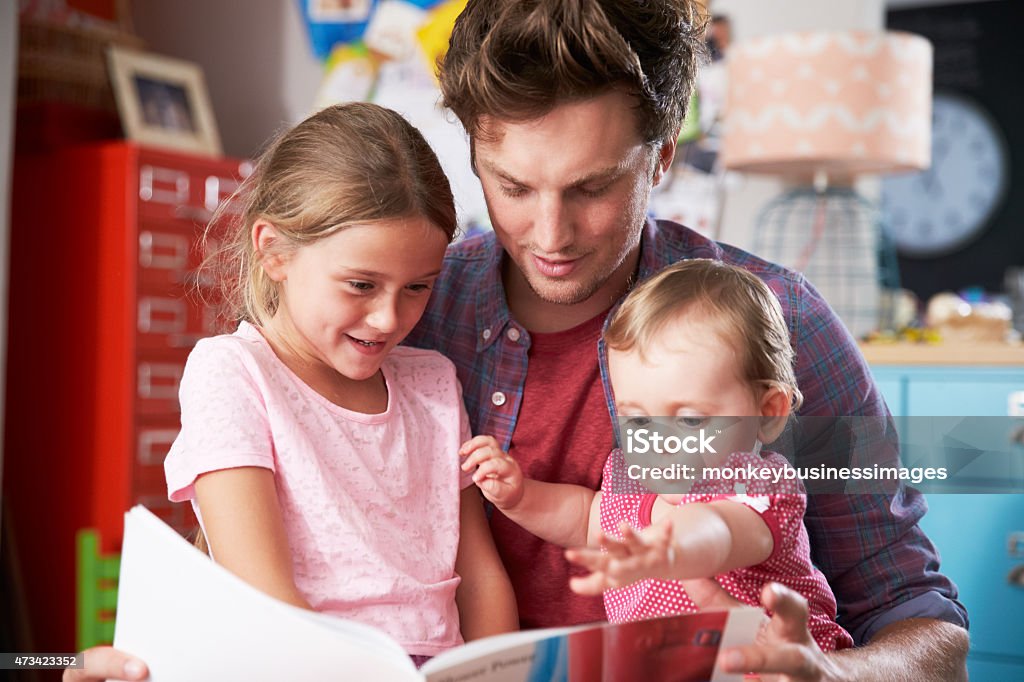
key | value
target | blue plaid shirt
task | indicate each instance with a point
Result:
(877, 560)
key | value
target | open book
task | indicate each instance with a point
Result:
(192, 620)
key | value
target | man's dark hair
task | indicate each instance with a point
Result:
(516, 60)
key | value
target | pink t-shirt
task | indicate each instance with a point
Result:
(370, 501)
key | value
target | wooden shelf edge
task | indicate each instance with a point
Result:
(964, 354)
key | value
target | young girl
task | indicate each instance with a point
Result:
(688, 349)
(319, 456)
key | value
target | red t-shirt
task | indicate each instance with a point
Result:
(563, 435)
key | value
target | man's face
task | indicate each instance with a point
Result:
(567, 195)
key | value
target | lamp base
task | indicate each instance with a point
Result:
(834, 238)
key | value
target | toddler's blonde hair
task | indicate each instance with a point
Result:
(741, 309)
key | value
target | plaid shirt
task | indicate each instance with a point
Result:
(877, 560)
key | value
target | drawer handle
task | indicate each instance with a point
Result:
(154, 445)
(1016, 577)
(200, 277)
(184, 340)
(162, 315)
(219, 190)
(193, 213)
(1015, 545)
(159, 380)
(164, 251)
(163, 185)
(155, 503)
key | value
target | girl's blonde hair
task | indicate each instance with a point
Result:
(741, 307)
(349, 164)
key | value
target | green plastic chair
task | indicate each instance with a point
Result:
(97, 590)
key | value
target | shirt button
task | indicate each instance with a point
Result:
(512, 334)
(486, 334)
(498, 398)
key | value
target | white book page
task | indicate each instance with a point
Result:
(366, 637)
(191, 620)
(491, 645)
(740, 629)
(521, 656)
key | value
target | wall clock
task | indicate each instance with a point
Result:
(938, 211)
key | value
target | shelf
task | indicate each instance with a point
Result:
(967, 354)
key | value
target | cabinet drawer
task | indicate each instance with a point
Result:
(177, 515)
(148, 484)
(937, 394)
(172, 320)
(893, 389)
(153, 442)
(184, 188)
(169, 253)
(985, 670)
(972, 534)
(148, 481)
(158, 377)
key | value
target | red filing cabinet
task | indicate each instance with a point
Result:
(103, 312)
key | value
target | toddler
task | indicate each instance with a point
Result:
(702, 348)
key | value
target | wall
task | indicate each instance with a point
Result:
(747, 195)
(268, 76)
(259, 69)
(8, 64)
(906, 4)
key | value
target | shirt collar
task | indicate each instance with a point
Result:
(652, 258)
(493, 314)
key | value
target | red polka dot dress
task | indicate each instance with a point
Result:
(781, 505)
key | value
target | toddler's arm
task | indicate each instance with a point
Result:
(245, 531)
(559, 513)
(697, 540)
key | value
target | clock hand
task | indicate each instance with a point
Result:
(930, 181)
(930, 177)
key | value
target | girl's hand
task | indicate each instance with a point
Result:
(650, 553)
(497, 475)
(104, 662)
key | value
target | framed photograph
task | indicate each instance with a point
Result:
(163, 101)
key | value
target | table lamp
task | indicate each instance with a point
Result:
(821, 109)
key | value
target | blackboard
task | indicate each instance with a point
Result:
(979, 52)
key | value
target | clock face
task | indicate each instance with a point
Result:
(938, 211)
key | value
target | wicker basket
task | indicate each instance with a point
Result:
(65, 64)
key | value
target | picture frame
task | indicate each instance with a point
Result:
(162, 101)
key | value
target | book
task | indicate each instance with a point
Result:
(192, 620)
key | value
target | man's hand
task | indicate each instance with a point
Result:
(102, 662)
(649, 553)
(497, 475)
(785, 650)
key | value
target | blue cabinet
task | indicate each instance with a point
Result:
(980, 537)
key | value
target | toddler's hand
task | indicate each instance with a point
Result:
(497, 475)
(617, 563)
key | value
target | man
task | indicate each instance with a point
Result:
(573, 108)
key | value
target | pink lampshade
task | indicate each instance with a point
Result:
(845, 103)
